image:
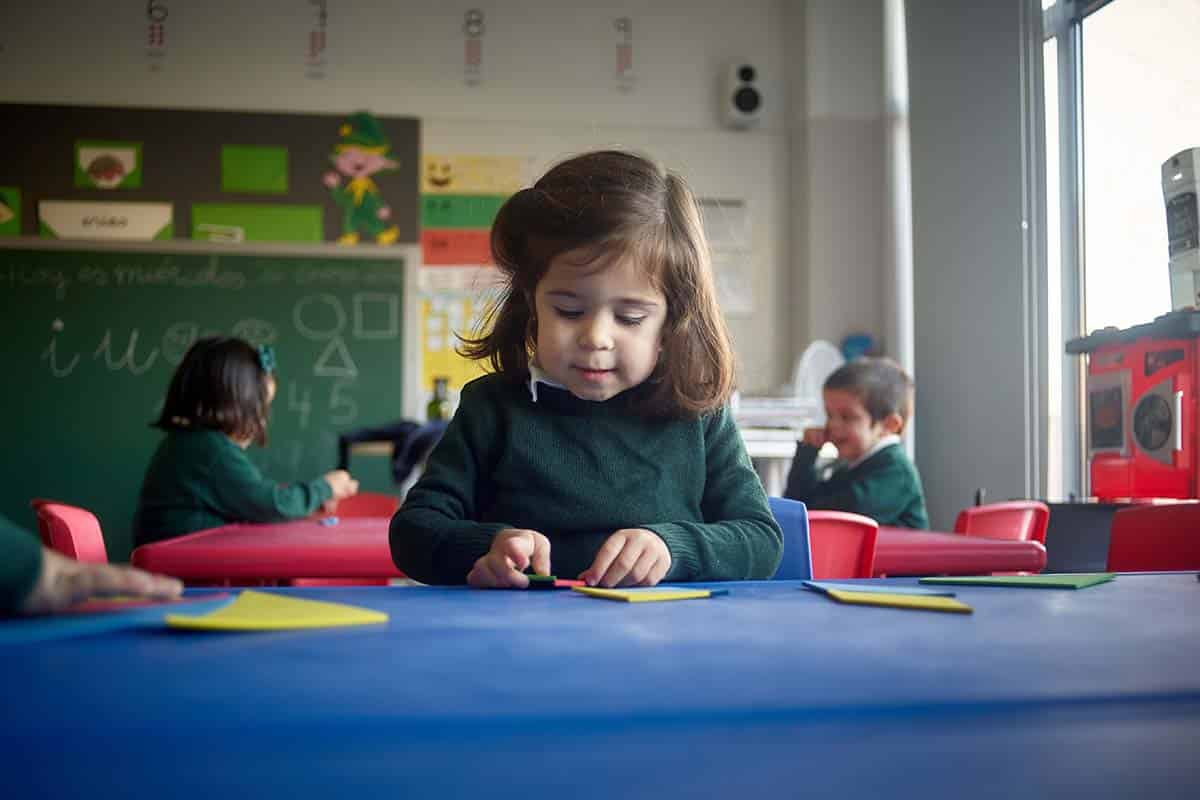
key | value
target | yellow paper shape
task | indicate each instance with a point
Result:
(259, 611)
(901, 601)
(644, 595)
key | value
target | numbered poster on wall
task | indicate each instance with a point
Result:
(445, 316)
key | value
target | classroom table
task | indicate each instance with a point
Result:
(358, 548)
(355, 547)
(771, 691)
(904, 551)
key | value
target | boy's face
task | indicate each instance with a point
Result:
(599, 331)
(849, 426)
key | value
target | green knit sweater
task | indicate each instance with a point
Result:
(20, 564)
(577, 471)
(884, 487)
(201, 479)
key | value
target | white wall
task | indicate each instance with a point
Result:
(970, 283)
(840, 162)
(548, 91)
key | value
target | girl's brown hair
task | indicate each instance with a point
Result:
(220, 385)
(614, 203)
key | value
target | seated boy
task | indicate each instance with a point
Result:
(867, 403)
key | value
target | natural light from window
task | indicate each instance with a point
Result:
(1141, 105)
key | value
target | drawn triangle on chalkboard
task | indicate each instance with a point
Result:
(335, 362)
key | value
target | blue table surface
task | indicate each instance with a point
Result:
(771, 688)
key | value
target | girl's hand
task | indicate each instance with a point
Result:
(342, 484)
(815, 437)
(630, 557)
(63, 582)
(512, 551)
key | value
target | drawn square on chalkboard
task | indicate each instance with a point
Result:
(254, 169)
(10, 211)
(108, 165)
(376, 315)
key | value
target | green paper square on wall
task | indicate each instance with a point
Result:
(10, 211)
(256, 222)
(252, 169)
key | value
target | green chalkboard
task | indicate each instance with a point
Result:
(91, 339)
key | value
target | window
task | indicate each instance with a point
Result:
(1120, 92)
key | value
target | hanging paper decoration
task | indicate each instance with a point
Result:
(156, 33)
(624, 72)
(314, 56)
(473, 30)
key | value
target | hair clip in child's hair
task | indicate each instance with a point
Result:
(266, 358)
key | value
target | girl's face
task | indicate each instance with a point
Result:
(599, 330)
(270, 390)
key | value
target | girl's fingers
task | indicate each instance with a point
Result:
(631, 551)
(641, 570)
(541, 555)
(659, 571)
(605, 556)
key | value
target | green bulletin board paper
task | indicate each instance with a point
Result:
(10, 211)
(256, 222)
(254, 169)
(1079, 580)
(460, 210)
(93, 337)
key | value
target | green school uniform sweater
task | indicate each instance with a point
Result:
(884, 487)
(201, 479)
(577, 471)
(20, 564)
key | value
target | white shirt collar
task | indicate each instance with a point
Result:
(887, 440)
(538, 375)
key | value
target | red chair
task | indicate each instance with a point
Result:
(368, 504)
(1019, 520)
(842, 544)
(70, 530)
(1155, 537)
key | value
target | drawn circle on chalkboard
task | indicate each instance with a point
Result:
(177, 339)
(319, 317)
(256, 331)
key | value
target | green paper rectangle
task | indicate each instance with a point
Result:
(825, 586)
(460, 210)
(1080, 580)
(10, 211)
(250, 222)
(90, 167)
(254, 169)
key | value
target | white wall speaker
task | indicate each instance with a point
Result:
(741, 95)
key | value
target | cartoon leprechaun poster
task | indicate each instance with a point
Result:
(362, 152)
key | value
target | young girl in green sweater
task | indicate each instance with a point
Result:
(601, 445)
(200, 476)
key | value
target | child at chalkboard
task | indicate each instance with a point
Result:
(200, 476)
(601, 446)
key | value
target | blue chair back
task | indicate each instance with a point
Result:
(792, 516)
